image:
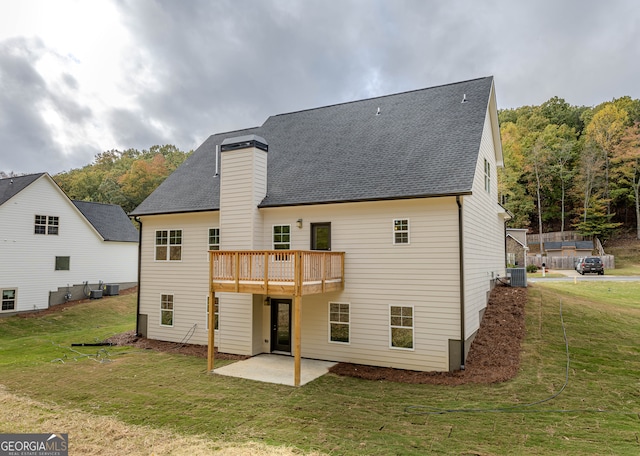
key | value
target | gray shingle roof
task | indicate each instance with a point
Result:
(422, 143)
(109, 220)
(579, 245)
(11, 186)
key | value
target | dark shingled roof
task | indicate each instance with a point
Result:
(422, 143)
(11, 186)
(579, 245)
(109, 220)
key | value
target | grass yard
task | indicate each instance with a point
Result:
(145, 399)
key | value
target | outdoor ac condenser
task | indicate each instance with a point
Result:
(518, 277)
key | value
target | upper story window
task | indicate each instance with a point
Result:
(401, 231)
(281, 237)
(487, 175)
(8, 299)
(214, 238)
(168, 245)
(46, 224)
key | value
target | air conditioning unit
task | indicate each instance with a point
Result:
(95, 294)
(518, 277)
(111, 289)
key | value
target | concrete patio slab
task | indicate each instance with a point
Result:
(275, 369)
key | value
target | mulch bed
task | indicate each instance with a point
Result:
(494, 355)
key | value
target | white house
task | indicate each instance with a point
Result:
(366, 232)
(51, 246)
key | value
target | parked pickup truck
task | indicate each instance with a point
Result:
(591, 264)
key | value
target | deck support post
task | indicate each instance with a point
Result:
(297, 310)
(212, 317)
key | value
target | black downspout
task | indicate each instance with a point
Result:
(461, 262)
(137, 219)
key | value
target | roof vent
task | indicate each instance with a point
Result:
(244, 142)
(378, 113)
(464, 98)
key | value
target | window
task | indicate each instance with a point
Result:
(63, 263)
(487, 175)
(281, 237)
(166, 310)
(46, 224)
(168, 245)
(216, 313)
(401, 231)
(8, 300)
(401, 325)
(339, 322)
(214, 238)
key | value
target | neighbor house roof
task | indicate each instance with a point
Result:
(420, 143)
(109, 220)
(578, 245)
(11, 186)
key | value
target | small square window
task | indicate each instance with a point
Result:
(63, 263)
(401, 231)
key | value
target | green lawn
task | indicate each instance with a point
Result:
(597, 413)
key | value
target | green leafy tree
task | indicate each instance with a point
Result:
(626, 171)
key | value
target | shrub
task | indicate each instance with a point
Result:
(532, 268)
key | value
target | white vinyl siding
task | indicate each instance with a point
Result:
(484, 235)
(378, 273)
(27, 261)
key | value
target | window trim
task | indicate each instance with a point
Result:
(487, 176)
(48, 224)
(172, 310)
(168, 245)
(15, 299)
(209, 238)
(413, 328)
(400, 231)
(216, 314)
(347, 323)
(273, 237)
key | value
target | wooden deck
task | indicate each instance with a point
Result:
(283, 272)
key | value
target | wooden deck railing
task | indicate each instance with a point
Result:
(291, 272)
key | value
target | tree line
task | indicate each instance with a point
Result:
(572, 167)
(124, 178)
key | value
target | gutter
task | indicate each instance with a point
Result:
(461, 263)
(137, 219)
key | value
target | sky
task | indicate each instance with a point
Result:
(80, 77)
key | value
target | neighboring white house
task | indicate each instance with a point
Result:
(401, 188)
(50, 246)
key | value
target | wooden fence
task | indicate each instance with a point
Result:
(567, 262)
